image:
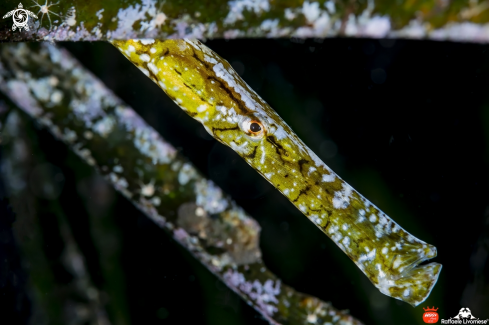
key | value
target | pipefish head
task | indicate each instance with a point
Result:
(245, 134)
(267, 144)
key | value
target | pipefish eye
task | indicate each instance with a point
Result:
(254, 126)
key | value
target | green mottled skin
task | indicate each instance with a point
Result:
(206, 87)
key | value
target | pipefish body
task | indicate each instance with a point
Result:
(207, 88)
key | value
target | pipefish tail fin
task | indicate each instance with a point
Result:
(387, 254)
(206, 87)
(414, 286)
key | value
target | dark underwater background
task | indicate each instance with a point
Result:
(406, 123)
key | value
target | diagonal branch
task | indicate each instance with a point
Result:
(48, 84)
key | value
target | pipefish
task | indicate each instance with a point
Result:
(207, 88)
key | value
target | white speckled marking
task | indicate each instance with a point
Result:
(144, 57)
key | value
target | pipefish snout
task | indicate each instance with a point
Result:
(207, 88)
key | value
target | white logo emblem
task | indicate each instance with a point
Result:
(20, 17)
(464, 313)
(464, 317)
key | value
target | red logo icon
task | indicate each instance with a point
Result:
(430, 316)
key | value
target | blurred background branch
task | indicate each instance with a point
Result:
(59, 281)
(54, 89)
(86, 20)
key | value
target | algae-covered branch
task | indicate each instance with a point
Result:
(89, 20)
(53, 88)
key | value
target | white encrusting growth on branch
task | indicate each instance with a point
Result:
(191, 208)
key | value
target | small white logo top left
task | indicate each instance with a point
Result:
(20, 17)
